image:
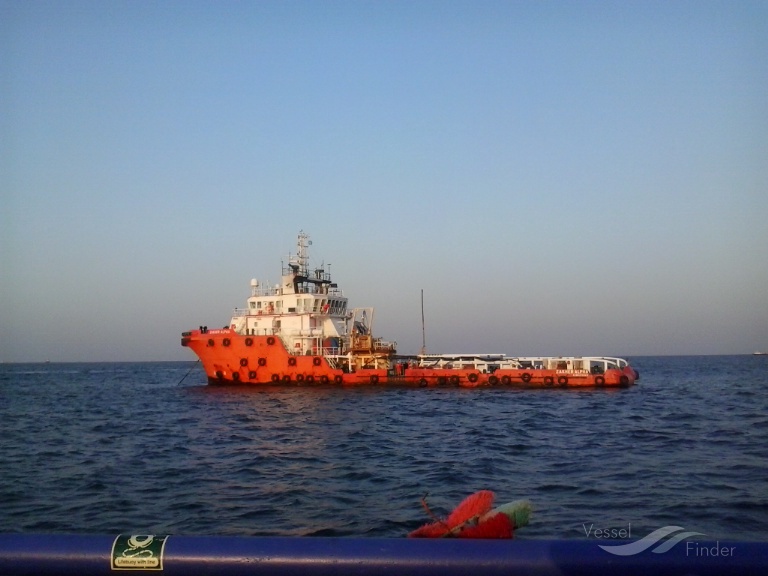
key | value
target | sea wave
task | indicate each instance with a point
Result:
(123, 448)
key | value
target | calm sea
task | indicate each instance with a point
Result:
(130, 447)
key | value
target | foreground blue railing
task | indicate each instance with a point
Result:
(42, 554)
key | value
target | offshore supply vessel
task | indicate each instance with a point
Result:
(302, 332)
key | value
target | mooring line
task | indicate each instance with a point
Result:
(188, 372)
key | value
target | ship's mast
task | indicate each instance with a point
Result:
(303, 245)
(301, 262)
(298, 274)
(423, 330)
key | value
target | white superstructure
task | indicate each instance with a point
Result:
(306, 310)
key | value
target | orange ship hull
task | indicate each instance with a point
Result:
(231, 358)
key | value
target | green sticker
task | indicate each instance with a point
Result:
(138, 552)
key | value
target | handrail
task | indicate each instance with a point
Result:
(295, 310)
(93, 555)
(270, 290)
(383, 344)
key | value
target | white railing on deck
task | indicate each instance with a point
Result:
(305, 333)
(283, 311)
(312, 289)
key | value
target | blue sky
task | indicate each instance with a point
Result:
(558, 177)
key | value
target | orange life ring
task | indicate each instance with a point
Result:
(548, 381)
(252, 375)
(249, 341)
(291, 361)
(226, 342)
(506, 380)
(316, 361)
(493, 380)
(275, 378)
(454, 379)
(271, 340)
(235, 376)
(562, 380)
(243, 362)
(338, 379)
(262, 362)
(374, 379)
(526, 377)
(599, 381)
(472, 377)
